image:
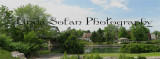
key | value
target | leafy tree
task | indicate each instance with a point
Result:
(122, 32)
(100, 35)
(97, 36)
(110, 33)
(33, 18)
(139, 32)
(69, 42)
(94, 37)
(73, 46)
(7, 20)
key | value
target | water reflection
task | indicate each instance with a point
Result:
(102, 49)
(93, 49)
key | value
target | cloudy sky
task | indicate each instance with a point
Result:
(78, 10)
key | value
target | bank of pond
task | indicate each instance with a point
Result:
(125, 48)
(125, 51)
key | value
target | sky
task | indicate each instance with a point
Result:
(78, 10)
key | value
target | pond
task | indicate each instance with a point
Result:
(93, 49)
(102, 49)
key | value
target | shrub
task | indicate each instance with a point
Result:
(19, 46)
(140, 57)
(5, 41)
(29, 45)
(72, 45)
(139, 48)
(6, 55)
(153, 42)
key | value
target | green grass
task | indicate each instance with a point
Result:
(129, 54)
(6, 55)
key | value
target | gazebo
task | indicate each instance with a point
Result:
(122, 40)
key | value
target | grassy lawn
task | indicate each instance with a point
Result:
(5, 55)
(129, 54)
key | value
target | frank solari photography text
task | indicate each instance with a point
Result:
(96, 21)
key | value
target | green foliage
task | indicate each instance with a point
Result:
(65, 55)
(7, 20)
(70, 43)
(140, 57)
(19, 46)
(110, 33)
(139, 48)
(34, 42)
(32, 38)
(139, 32)
(92, 56)
(153, 42)
(37, 21)
(97, 36)
(123, 56)
(85, 56)
(6, 55)
(94, 37)
(25, 47)
(122, 32)
(5, 41)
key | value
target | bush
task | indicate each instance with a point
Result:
(30, 44)
(153, 42)
(139, 48)
(5, 41)
(6, 55)
(19, 46)
(73, 46)
(140, 57)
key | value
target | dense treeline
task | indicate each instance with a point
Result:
(139, 48)
(137, 32)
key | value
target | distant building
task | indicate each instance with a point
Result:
(86, 37)
(153, 36)
(123, 40)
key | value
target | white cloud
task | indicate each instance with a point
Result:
(111, 3)
(58, 10)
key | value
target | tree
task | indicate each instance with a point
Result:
(7, 20)
(33, 18)
(100, 36)
(122, 32)
(110, 33)
(69, 42)
(139, 32)
(94, 37)
(97, 36)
